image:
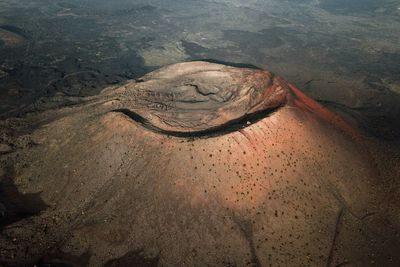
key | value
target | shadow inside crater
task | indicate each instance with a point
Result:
(230, 126)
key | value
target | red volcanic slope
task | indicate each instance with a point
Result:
(197, 164)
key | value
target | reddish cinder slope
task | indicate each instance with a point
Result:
(303, 101)
(137, 177)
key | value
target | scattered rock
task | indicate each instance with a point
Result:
(3, 74)
(2, 210)
(4, 148)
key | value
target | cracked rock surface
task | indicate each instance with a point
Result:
(196, 164)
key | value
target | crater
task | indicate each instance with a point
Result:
(200, 97)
